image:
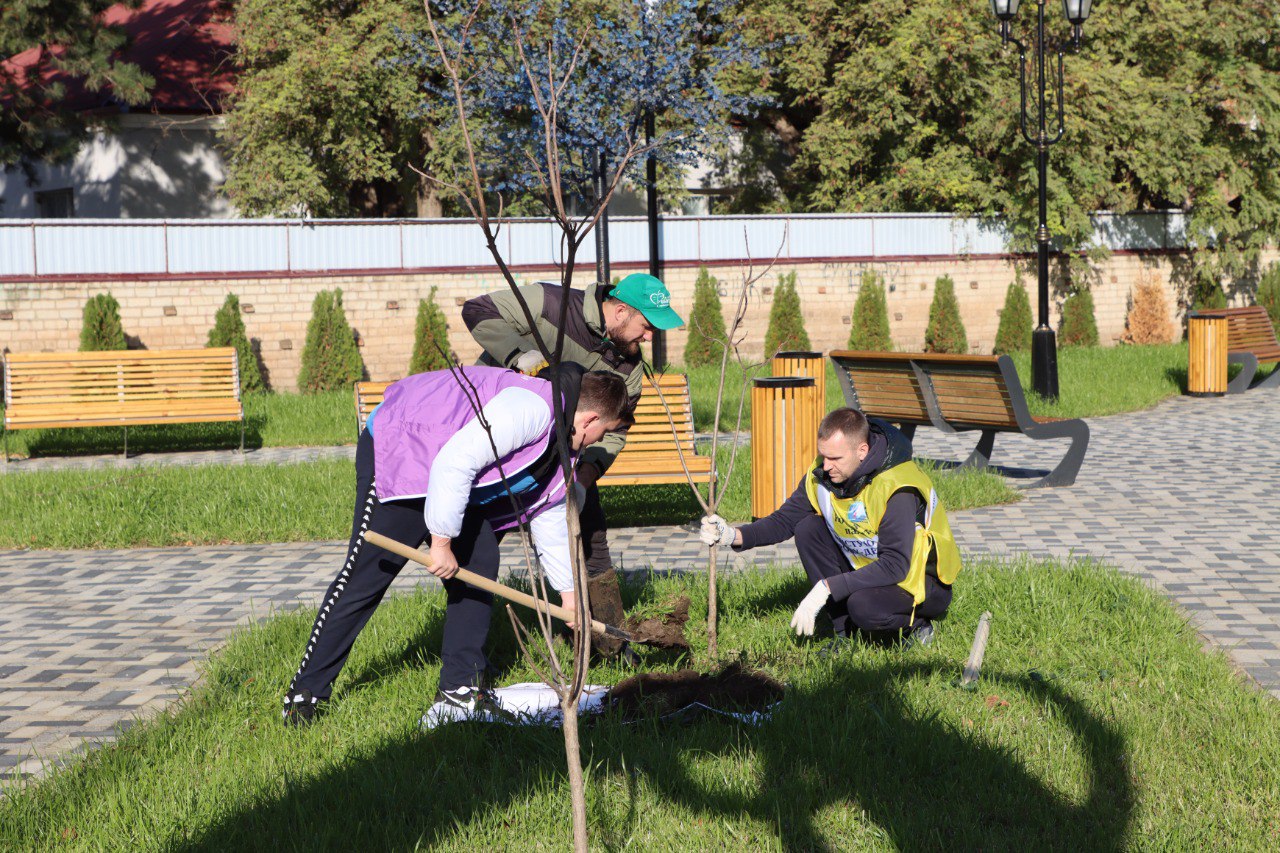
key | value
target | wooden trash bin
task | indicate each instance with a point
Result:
(1207, 367)
(810, 364)
(784, 439)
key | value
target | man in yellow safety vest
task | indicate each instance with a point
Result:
(870, 530)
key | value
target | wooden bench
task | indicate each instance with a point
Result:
(955, 393)
(652, 454)
(368, 397)
(650, 457)
(1251, 340)
(121, 388)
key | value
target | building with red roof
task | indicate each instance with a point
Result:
(158, 159)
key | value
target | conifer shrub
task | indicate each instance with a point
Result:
(1014, 333)
(945, 332)
(430, 338)
(228, 331)
(101, 329)
(1208, 294)
(786, 323)
(330, 358)
(1269, 294)
(870, 322)
(1078, 328)
(706, 323)
(1148, 321)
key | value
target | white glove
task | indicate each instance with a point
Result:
(529, 361)
(807, 612)
(579, 493)
(716, 531)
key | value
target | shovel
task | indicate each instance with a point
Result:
(564, 615)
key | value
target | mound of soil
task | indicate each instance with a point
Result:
(665, 631)
(734, 688)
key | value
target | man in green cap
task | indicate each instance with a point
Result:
(604, 327)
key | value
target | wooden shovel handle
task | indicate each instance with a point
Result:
(470, 577)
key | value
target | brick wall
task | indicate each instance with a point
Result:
(45, 314)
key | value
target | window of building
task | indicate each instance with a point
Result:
(56, 204)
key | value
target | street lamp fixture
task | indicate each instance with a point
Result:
(1044, 348)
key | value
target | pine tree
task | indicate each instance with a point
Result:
(102, 329)
(707, 334)
(430, 338)
(1014, 333)
(1078, 328)
(330, 358)
(786, 323)
(870, 321)
(228, 331)
(945, 332)
(1269, 294)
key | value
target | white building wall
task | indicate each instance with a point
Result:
(147, 167)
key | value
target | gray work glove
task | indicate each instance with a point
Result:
(716, 531)
(807, 612)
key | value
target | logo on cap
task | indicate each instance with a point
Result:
(661, 300)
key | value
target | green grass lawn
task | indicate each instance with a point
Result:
(215, 504)
(271, 420)
(1099, 724)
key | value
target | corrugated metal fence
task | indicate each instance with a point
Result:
(46, 247)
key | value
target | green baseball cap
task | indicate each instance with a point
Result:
(650, 297)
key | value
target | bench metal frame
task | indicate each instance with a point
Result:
(1064, 474)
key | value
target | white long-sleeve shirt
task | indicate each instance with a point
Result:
(517, 417)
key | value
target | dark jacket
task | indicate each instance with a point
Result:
(499, 325)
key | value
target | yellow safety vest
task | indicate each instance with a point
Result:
(855, 523)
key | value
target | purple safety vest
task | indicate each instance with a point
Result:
(420, 413)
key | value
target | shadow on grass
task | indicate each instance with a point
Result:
(851, 744)
(96, 441)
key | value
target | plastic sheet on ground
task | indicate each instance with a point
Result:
(533, 703)
(529, 703)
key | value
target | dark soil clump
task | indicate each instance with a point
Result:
(665, 631)
(735, 688)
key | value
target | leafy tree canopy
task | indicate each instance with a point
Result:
(887, 106)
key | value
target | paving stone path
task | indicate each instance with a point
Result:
(1183, 495)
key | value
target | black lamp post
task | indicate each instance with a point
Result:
(1044, 348)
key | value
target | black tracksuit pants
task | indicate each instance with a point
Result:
(880, 610)
(367, 573)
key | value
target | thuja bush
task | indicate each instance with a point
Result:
(1269, 294)
(101, 329)
(707, 334)
(430, 338)
(870, 321)
(330, 358)
(1014, 333)
(1078, 328)
(228, 331)
(786, 323)
(1149, 321)
(945, 332)
(1207, 295)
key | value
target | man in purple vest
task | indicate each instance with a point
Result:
(426, 467)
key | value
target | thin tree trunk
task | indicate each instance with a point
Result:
(577, 784)
(713, 649)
